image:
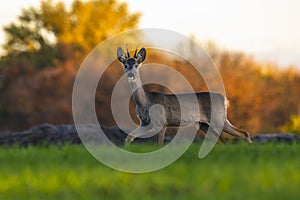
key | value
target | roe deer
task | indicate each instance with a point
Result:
(170, 115)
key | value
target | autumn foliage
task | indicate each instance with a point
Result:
(262, 97)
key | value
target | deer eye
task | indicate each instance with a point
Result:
(125, 66)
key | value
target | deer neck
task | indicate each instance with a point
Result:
(140, 95)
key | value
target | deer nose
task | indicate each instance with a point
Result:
(131, 76)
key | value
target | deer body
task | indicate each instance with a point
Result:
(180, 116)
(157, 111)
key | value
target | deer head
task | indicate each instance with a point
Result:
(131, 65)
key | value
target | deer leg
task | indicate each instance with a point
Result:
(232, 130)
(161, 136)
(140, 131)
(204, 128)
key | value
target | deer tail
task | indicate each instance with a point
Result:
(227, 103)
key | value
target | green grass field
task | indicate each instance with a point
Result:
(231, 171)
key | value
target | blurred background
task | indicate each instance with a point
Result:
(255, 44)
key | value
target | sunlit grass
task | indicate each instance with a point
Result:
(238, 171)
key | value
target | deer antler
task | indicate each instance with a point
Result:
(135, 52)
(128, 55)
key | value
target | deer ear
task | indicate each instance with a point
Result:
(121, 55)
(141, 55)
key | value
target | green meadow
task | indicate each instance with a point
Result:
(233, 171)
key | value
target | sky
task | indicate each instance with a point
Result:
(267, 29)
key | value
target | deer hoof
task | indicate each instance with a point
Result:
(249, 140)
(129, 139)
